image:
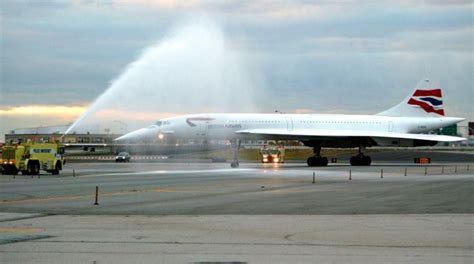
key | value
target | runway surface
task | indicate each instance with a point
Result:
(239, 239)
(208, 212)
(206, 188)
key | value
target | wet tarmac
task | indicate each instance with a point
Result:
(259, 213)
(210, 189)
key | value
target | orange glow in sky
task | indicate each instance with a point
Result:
(73, 112)
(44, 110)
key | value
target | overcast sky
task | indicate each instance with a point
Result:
(362, 57)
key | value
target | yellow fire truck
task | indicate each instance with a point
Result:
(29, 158)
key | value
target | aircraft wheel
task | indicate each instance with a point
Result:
(353, 161)
(34, 168)
(323, 161)
(317, 161)
(56, 170)
(361, 160)
(367, 160)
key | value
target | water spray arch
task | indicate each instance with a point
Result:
(193, 69)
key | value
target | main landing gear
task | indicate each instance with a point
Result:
(317, 160)
(360, 159)
(235, 144)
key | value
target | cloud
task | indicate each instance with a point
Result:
(55, 111)
(451, 2)
(21, 116)
(128, 116)
(69, 113)
(283, 10)
(53, 115)
(168, 4)
(303, 111)
(311, 53)
(290, 10)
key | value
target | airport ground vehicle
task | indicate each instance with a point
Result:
(272, 154)
(29, 158)
(122, 157)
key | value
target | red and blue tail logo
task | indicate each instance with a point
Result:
(429, 100)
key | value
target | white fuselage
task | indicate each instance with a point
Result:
(226, 126)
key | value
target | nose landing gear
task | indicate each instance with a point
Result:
(235, 145)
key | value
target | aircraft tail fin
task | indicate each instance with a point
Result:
(425, 100)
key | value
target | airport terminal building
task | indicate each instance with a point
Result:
(53, 133)
(94, 140)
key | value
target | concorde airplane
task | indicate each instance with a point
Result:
(404, 125)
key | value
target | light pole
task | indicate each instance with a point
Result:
(123, 127)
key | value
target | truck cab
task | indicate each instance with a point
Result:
(272, 154)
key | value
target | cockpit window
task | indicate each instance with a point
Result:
(162, 123)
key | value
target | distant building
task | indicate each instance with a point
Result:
(53, 133)
(451, 130)
(470, 134)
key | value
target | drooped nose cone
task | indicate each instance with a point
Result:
(137, 135)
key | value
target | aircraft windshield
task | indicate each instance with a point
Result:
(162, 123)
(273, 151)
(270, 151)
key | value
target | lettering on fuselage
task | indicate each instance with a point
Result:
(222, 126)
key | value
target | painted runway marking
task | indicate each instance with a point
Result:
(164, 172)
(21, 230)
